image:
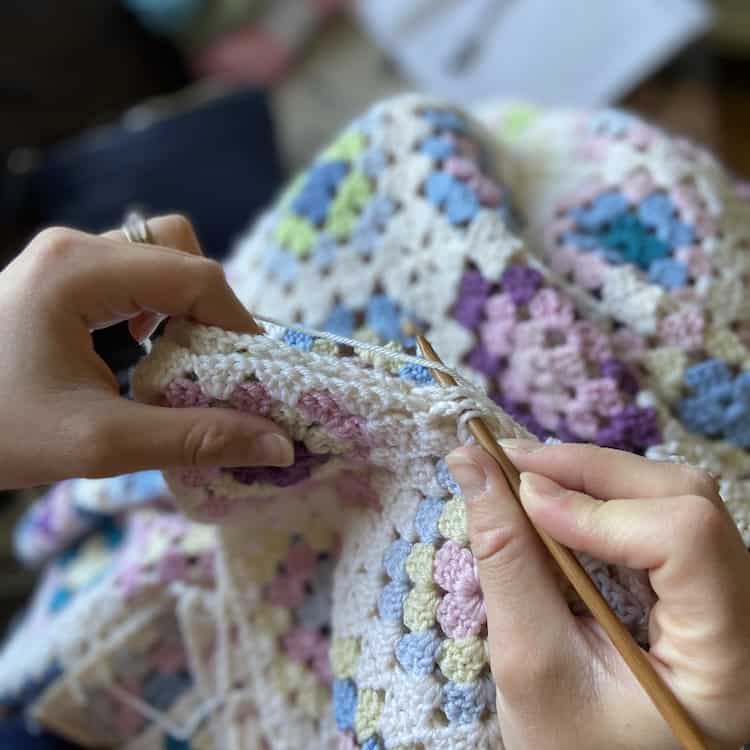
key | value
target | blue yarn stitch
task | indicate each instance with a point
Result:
(373, 743)
(314, 198)
(668, 273)
(298, 340)
(172, 743)
(416, 652)
(463, 704)
(325, 251)
(613, 122)
(340, 321)
(427, 518)
(445, 478)
(604, 208)
(384, 317)
(707, 374)
(444, 119)
(417, 374)
(437, 147)
(162, 689)
(720, 404)
(394, 559)
(344, 703)
(391, 600)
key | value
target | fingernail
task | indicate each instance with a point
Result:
(470, 477)
(152, 329)
(272, 449)
(521, 446)
(536, 488)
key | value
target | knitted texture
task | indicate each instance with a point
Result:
(584, 272)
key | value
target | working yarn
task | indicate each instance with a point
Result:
(583, 271)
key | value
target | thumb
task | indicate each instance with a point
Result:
(134, 436)
(517, 576)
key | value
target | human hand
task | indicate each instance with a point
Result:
(62, 415)
(560, 682)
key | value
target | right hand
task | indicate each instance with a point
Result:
(560, 682)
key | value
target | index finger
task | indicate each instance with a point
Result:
(173, 231)
(607, 474)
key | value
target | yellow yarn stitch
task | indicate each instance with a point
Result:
(463, 659)
(518, 119)
(452, 524)
(723, 344)
(319, 536)
(344, 655)
(667, 364)
(368, 336)
(420, 607)
(366, 718)
(93, 557)
(346, 147)
(353, 193)
(293, 678)
(198, 538)
(270, 619)
(324, 346)
(419, 563)
(259, 565)
(296, 234)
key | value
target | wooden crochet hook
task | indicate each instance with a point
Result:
(683, 727)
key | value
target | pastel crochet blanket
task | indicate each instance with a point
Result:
(584, 272)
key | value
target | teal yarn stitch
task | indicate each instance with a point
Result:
(645, 236)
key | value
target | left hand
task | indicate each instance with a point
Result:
(62, 415)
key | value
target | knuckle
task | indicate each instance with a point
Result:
(53, 245)
(211, 273)
(497, 547)
(700, 519)
(179, 231)
(95, 443)
(205, 444)
(700, 482)
(523, 675)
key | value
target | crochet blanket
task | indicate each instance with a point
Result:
(583, 271)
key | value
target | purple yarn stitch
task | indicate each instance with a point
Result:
(621, 374)
(482, 361)
(301, 469)
(521, 282)
(472, 294)
(633, 429)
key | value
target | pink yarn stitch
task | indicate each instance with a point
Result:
(600, 396)
(300, 561)
(683, 328)
(496, 335)
(127, 721)
(216, 507)
(168, 656)
(285, 591)
(461, 612)
(192, 476)
(346, 742)
(320, 407)
(353, 489)
(308, 647)
(252, 398)
(182, 392)
(638, 186)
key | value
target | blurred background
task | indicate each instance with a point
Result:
(206, 106)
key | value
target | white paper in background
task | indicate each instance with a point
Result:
(555, 52)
